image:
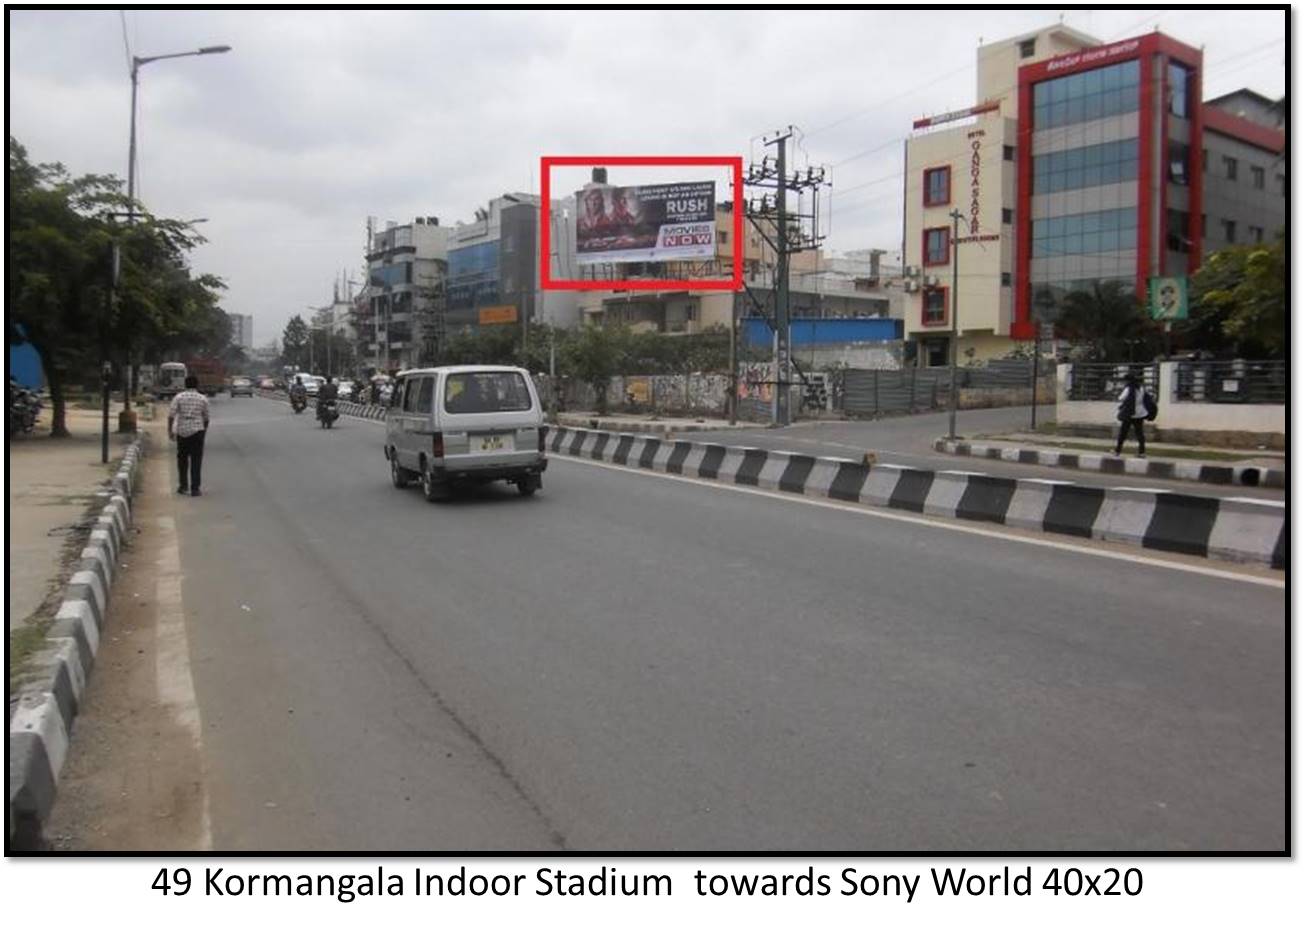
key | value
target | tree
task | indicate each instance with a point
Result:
(294, 342)
(1238, 301)
(1109, 324)
(594, 355)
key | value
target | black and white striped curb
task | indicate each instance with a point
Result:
(1243, 530)
(350, 408)
(49, 697)
(1253, 476)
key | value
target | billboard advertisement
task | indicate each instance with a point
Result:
(648, 223)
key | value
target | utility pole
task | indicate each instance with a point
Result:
(956, 217)
(792, 232)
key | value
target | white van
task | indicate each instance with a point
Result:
(465, 424)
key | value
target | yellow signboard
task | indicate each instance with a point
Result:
(505, 313)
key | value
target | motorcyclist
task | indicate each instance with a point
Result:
(298, 393)
(329, 391)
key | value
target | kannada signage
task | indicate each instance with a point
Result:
(648, 223)
(504, 313)
(1168, 298)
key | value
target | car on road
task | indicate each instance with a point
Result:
(241, 385)
(465, 424)
(311, 384)
(346, 390)
(266, 384)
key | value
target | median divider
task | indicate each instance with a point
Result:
(1206, 472)
(1243, 530)
(49, 692)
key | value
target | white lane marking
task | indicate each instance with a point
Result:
(943, 525)
(175, 687)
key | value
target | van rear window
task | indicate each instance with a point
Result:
(485, 393)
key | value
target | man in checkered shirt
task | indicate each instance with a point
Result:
(187, 424)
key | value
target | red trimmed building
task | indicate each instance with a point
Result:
(1105, 152)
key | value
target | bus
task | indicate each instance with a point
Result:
(171, 379)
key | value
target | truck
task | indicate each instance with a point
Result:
(211, 374)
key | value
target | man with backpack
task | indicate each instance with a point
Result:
(1136, 405)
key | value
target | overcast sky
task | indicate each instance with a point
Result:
(318, 119)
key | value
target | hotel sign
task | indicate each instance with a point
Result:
(1092, 55)
(975, 178)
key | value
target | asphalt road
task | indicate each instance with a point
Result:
(633, 662)
(908, 441)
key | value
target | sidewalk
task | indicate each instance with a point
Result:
(52, 483)
(1254, 468)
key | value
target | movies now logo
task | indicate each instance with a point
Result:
(687, 234)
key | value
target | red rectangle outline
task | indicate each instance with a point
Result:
(548, 283)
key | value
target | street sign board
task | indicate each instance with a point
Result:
(1168, 298)
(1048, 332)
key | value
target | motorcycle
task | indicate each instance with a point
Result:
(327, 413)
(298, 401)
(24, 408)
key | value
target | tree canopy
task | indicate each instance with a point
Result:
(1238, 301)
(63, 236)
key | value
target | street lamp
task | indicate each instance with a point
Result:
(127, 420)
(137, 62)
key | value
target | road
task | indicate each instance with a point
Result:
(629, 661)
(908, 441)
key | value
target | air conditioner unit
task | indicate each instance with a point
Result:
(931, 281)
(911, 286)
(912, 271)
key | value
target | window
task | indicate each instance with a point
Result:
(1229, 167)
(723, 236)
(1179, 234)
(1088, 95)
(1027, 48)
(1103, 231)
(1007, 153)
(937, 186)
(1256, 233)
(1204, 159)
(935, 307)
(1005, 279)
(425, 395)
(1007, 215)
(937, 246)
(1257, 176)
(1179, 83)
(1178, 155)
(1229, 230)
(486, 392)
(1088, 166)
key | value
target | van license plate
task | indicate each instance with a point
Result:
(492, 444)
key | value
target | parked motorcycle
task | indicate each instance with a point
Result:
(327, 413)
(23, 409)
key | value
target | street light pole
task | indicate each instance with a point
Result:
(127, 421)
(956, 217)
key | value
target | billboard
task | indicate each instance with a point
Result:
(648, 223)
(503, 313)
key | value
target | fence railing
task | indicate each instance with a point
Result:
(1104, 381)
(1232, 382)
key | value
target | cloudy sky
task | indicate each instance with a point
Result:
(318, 119)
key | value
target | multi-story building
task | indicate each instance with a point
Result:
(1080, 164)
(493, 266)
(242, 330)
(396, 314)
(854, 285)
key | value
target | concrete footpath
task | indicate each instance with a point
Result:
(52, 484)
(1253, 468)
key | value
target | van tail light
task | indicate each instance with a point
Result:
(437, 446)
(543, 434)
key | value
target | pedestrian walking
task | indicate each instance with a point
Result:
(1136, 405)
(188, 424)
